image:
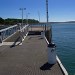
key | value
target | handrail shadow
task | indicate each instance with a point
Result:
(46, 66)
(13, 45)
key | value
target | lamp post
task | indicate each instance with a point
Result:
(27, 17)
(46, 14)
(46, 27)
(47, 10)
(39, 16)
(22, 9)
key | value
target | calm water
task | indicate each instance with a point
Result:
(64, 37)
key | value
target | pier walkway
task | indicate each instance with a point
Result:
(30, 58)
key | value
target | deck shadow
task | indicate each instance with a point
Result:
(46, 66)
(41, 38)
(14, 44)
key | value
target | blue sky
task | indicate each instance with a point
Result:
(59, 10)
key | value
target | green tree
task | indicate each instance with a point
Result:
(12, 21)
(1, 20)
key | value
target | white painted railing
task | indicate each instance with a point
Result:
(4, 33)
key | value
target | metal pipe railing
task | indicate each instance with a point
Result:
(4, 33)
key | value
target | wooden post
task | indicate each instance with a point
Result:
(48, 34)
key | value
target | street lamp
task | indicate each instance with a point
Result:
(22, 9)
(46, 14)
(50, 32)
(47, 10)
(27, 17)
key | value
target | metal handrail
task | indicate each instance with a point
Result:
(4, 33)
(8, 28)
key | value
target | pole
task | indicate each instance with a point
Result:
(27, 17)
(22, 16)
(47, 10)
(46, 15)
(22, 13)
(49, 32)
(39, 16)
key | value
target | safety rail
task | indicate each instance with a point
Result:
(4, 33)
(24, 31)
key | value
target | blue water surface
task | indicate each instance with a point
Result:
(64, 37)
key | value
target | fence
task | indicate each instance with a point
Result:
(4, 33)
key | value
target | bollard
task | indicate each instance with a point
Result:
(51, 53)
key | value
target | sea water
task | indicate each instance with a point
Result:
(64, 38)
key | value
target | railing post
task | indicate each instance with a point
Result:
(2, 35)
(45, 29)
(0, 38)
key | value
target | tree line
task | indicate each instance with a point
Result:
(12, 21)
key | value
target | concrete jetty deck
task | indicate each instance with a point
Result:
(37, 28)
(30, 58)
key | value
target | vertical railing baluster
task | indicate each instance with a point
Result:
(4, 33)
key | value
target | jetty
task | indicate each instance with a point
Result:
(24, 52)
